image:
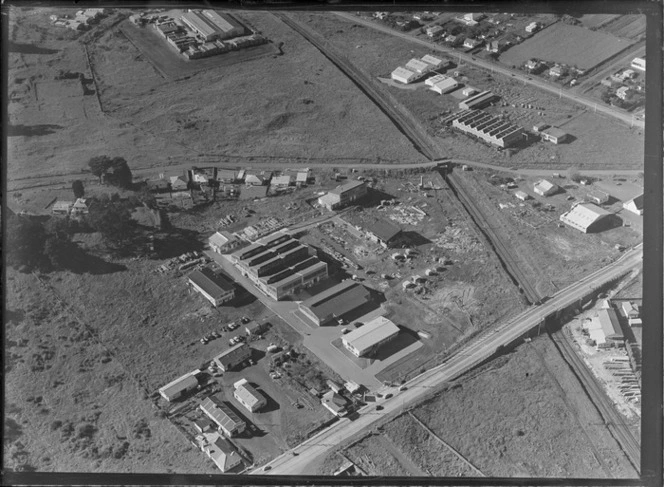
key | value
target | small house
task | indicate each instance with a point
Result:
(545, 188)
(472, 43)
(335, 403)
(178, 183)
(521, 195)
(554, 135)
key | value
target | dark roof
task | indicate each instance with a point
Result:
(338, 300)
(638, 201)
(237, 353)
(346, 187)
(215, 284)
(384, 230)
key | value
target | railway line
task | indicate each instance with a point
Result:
(614, 422)
(389, 105)
(508, 259)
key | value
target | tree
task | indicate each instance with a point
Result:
(78, 189)
(112, 220)
(60, 251)
(25, 242)
(99, 165)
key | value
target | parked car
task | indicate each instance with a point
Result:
(204, 340)
(245, 320)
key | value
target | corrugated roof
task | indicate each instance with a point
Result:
(584, 215)
(374, 331)
(545, 186)
(221, 414)
(403, 73)
(338, 300)
(237, 353)
(186, 382)
(220, 238)
(384, 230)
(346, 187)
(610, 324)
(434, 61)
(417, 65)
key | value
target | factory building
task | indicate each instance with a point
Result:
(441, 84)
(554, 135)
(635, 205)
(343, 195)
(384, 233)
(368, 338)
(491, 129)
(435, 62)
(478, 101)
(418, 66)
(279, 265)
(214, 286)
(211, 25)
(335, 302)
(403, 75)
(586, 217)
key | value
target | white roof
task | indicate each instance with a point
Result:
(446, 84)
(402, 73)
(584, 214)
(281, 180)
(434, 61)
(521, 194)
(220, 239)
(418, 66)
(435, 79)
(249, 395)
(372, 332)
(545, 186)
(302, 176)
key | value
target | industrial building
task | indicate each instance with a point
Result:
(248, 396)
(554, 135)
(635, 205)
(280, 265)
(544, 187)
(490, 129)
(403, 75)
(441, 84)
(210, 25)
(220, 451)
(478, 101)
(229, 422)
(334, 303)
(180, 387)
(214, 286)
(586, 217)
(368, 338)
(435, 62)
(343, 195)
(599, 197)
(639, 63)
(385, 233)
(222, 242)
(231, 358)
(418, 66)
(613, 335)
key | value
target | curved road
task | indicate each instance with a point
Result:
(599, 107)
(481, 349)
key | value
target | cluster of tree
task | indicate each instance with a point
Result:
(34, 245)
(113, 171)
(112, 218)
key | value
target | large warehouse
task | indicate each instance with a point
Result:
(587, 217)
(216, 287)
(211, 25)
(279, 265)
(368, 338)
(343, 195)
(491, 129)
(334, 303)
(478, 101)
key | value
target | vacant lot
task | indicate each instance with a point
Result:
(593, 21)
(629, 26)
(71, 405)
(521, 415)
(568, 44)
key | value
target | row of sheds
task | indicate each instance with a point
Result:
(418, 68)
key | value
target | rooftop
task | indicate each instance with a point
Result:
(216, 284)
(220, 413)
(384, 230)
(371, 333)
(249, 395)
(346, 187)
(338, 300)
(555, 132)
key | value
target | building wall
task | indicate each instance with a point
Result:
(229, 295)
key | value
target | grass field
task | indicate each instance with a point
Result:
(568, 44)
(593, 21)
(524, 414)
(630, 26)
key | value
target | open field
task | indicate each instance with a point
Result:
(71, 405)
(318, 114)
(569, 44)
(521, 415)
(629, 26)
(594, 21)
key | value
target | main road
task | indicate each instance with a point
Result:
(482, 348)
(543, 85)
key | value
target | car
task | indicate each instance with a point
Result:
(388, 395)
(204, 340)
(245, 320)
(379, 408)
(266, 468)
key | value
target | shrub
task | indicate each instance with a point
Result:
(56, 424)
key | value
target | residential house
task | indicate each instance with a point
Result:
(62, 207)
(623, 92)
(434, 31)
(472, 43)
(220, 451)
(249, 397)
(557, 71)
(335, 403)
(178, 183)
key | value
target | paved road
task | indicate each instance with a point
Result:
(479, 350)
(541, 84)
